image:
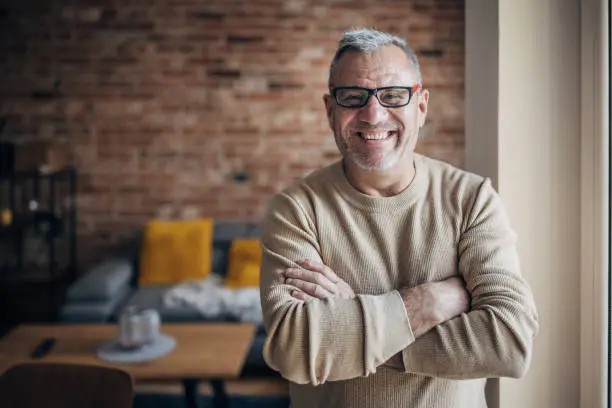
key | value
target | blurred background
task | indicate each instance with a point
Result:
(180, 109)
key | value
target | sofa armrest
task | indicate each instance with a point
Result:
(102, 282)
(98, 311)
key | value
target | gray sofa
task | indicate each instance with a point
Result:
(102, 292)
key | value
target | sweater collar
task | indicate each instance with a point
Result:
(378, 203)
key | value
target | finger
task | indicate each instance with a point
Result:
(301, 295)
(312, 277)
(321, 268)
(310, 288)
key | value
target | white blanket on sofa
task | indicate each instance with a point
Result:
(213, 300)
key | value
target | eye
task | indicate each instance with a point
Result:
(352, 99)
(394, 96)
(351, 96)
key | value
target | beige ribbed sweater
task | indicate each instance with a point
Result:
(448, 222)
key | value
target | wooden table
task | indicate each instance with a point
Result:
(204, 351)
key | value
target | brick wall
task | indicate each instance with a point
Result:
(180, 108)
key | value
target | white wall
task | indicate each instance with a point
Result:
(539, 180)
(595, 183)
(530, 141)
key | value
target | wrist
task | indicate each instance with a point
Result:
(433, 303)
(420, 308)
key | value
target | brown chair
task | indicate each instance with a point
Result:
(51, 385)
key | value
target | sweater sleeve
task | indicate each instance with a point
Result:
(494, 339)
(320, 340)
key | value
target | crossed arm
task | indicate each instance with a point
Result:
(427, 305)
(322, 331)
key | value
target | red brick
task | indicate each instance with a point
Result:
(164, 101)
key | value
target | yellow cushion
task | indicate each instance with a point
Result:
(244, 262)
(175, 251)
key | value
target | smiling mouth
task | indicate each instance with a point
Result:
(376, 136)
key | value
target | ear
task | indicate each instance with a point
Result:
(423, 103)
(330, 104)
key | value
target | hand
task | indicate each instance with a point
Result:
(433, 303)
(316, 281)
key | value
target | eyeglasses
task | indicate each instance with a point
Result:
(389, 96)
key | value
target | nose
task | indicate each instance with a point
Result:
(373, 112)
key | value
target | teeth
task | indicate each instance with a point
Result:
(374, 136)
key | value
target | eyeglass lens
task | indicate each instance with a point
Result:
(392, 97)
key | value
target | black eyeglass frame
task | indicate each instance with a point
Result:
(412, 90)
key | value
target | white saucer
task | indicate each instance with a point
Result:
(112, 351)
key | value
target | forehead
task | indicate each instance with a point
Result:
(386, 66)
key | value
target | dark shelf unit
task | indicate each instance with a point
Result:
(39, 243)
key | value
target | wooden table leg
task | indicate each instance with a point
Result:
(220, 398)
(190, 391)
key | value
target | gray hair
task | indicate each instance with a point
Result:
(368, 40)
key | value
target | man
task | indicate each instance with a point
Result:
(389, 276)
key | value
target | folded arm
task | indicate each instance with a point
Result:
(426, 305)
(495, 338)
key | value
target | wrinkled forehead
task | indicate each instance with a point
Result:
(384, 67)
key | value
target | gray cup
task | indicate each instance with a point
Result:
(138, 327)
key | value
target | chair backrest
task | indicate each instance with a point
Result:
(50, 385)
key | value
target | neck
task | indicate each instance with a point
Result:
(385, 183)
